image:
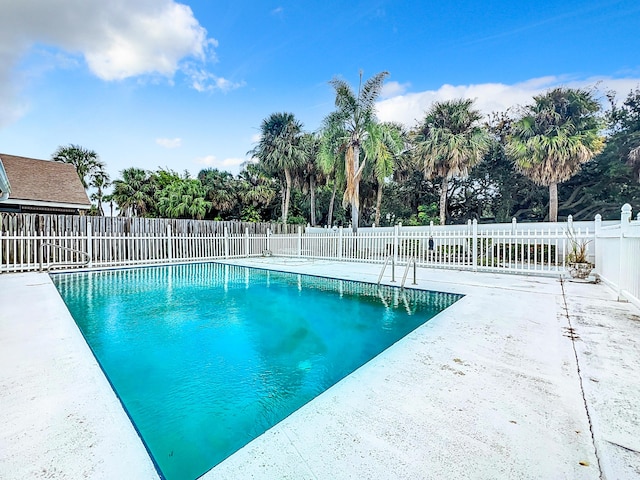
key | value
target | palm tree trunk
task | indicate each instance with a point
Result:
(287, 196)
(331, 203)
(312, 188)
(355, 199)
(553, 202)
(100, 210)
(378, 204)
(443, 200)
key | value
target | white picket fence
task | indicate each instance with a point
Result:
(507, 248)
(519, 251)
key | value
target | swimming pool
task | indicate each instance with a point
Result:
(206, 357)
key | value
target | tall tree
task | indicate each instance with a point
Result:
(279, 148)
(99, 180)
(310, 170)
(85, 161)
(349, 127)
(256, 190)
(386, 145)
(449, 142)
(554, 137)
(183, 198)
(133, 193)
(220, 188)
(331, 162)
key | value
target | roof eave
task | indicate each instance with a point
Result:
(40, 203)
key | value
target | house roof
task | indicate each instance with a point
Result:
(43, 182)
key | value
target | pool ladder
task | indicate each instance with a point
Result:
(412, 260)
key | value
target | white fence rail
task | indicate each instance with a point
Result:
(519, 251)
(618, 255)
(508, 248)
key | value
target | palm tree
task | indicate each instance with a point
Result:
(386, 145)
(85, 161)
(256, 189)
(331, 163)
(220, 189)
(554, 137)
(133, 193)
(309, 171)
(183, 198)
(280, 150)
(99, 180)
(348, 128)
(449, 142)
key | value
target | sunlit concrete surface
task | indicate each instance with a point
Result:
(491, 388)
(59, 417)
(525, 377)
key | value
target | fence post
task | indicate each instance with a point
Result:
(226, 242)
(396, 240)
(474, 245)
(246, 242)
(299, 241)
(169, 244)
(625, 219)
(514, 225)
(340, 243)
(570, 223)
(268, 240)
(597, 244)
(89, 244)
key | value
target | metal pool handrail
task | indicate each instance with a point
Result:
(393, 269)
(406, 271)
(75, 250)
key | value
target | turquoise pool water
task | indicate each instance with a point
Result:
(206, 357)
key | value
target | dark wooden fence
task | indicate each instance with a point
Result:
(47, 224)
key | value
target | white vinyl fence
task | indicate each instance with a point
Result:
(508, 248)
(618, 255)
(512, 248)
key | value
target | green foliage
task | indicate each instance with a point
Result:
(449, 142)
(250, 214)
(296, 220)
(134, 193)
(280, 150)
(183, 198)
(392, 187)
(554, 136)
(345, 133)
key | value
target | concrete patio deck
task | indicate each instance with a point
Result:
(525, 377)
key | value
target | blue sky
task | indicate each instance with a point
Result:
(157, 83)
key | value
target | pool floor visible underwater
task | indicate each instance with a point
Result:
(206, 357)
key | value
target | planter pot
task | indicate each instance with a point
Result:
(579, 270)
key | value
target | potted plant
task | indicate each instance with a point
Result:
(577, 261)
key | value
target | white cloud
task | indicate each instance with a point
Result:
(229, 164)
(169, 142)
(410, 108)
(116, 39)
(204, 81)
(255, 138)
(393, 89)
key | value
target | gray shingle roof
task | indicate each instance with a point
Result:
(43, 180)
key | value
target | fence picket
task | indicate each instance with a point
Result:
(26, 240)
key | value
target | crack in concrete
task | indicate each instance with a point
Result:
(573, 338)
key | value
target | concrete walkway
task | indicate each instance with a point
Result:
(525, 377)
